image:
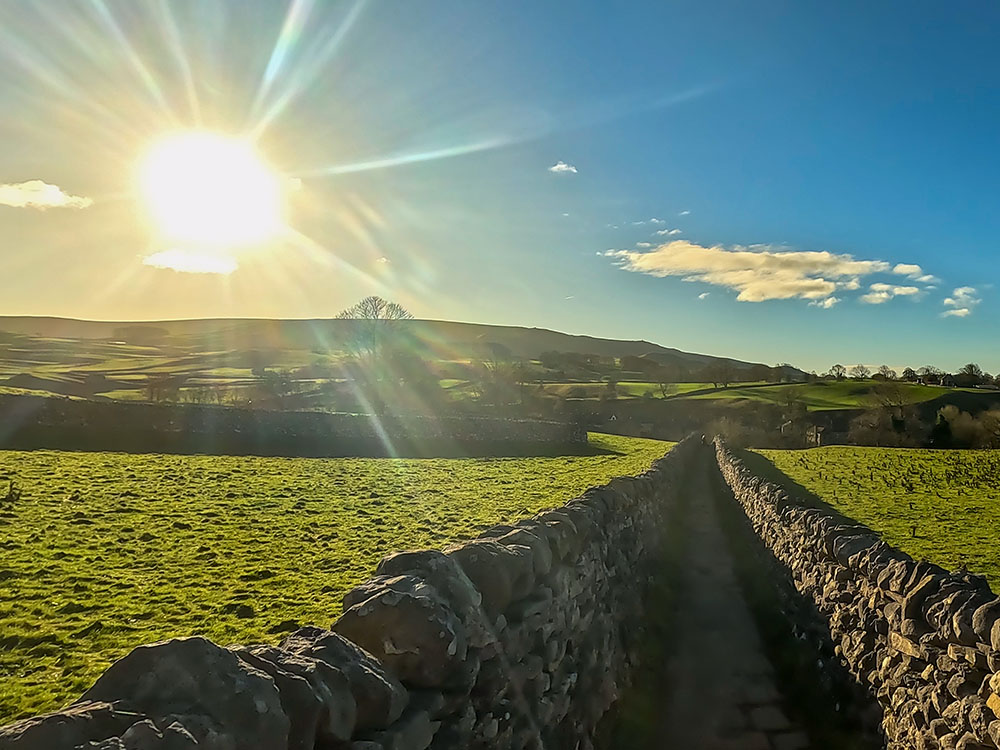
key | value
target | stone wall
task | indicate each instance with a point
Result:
(922, 642)
(521, 638)
(31, 422)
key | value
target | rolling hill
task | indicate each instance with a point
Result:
(445, 340)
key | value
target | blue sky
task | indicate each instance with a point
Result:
(415, 144)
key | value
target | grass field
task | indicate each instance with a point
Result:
(844, 394)
(105, 551)
(942, 506)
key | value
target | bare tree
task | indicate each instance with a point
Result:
(887, 372)
(838, 371)
(860, 372)
(376, 322)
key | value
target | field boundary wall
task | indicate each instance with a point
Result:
(521, 638)
(33, 422)
(923, 643)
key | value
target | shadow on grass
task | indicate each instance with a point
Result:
(762, 467)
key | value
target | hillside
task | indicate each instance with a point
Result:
(443, 340)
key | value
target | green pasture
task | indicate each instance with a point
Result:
(938, 505)
(106, 551)
(844, 394)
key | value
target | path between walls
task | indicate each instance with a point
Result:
(721, 687)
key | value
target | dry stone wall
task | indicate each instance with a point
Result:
(521, 638)
(923, 642)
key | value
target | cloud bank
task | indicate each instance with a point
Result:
(757, 273)
(40, 195)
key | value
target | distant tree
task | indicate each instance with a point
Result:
(930, 374)
(860, 372)
(376, 323)
(838, 372)
(970, 375)
(887, 372)
(910, 375)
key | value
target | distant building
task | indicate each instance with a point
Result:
(814, 436)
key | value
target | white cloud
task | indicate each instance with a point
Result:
(668, 232)
(963, 296)
(962, 300)
(41, 195)
(851, 285)
(643, 244)
(703, 295)
(915, 272)
(684, 213)
(884, 292)
(826, 304)
(565, 214)
(187, 261)
(657, 221)
(561, 167)
(383, 260)
(758, 273)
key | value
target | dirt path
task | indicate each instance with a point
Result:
(722, 691)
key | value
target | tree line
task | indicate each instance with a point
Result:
(970, 375)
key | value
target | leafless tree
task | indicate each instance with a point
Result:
(887, 372)
(860, 372)
(375, 323)
(838, 371)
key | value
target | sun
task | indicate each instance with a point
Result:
(211, 191)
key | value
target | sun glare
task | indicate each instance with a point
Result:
(211, 191)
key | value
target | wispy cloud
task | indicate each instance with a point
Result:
(881, 293)
(703, 295)
(654, 220)
(668, 232)
(961, 302)
(826, 304)
(561, 167)
(683, 213)
(757, 273)
(643, 244)
(188, 261)
(40, 195)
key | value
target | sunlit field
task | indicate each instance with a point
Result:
(105, 551)
(943, 506)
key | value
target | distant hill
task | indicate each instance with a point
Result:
(440, 339)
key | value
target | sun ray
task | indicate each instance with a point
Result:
(298, 13)
(398, 160)
(308, 72)
(176, 45)
(139, 67)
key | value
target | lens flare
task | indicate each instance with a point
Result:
(210, 190)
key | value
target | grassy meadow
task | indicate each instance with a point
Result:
(105, 551)
(940, 505)
(827, 394)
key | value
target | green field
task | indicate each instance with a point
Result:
(105, 551)
(942, 506)
(831, 394)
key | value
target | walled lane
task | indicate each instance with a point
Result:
(721, 687)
